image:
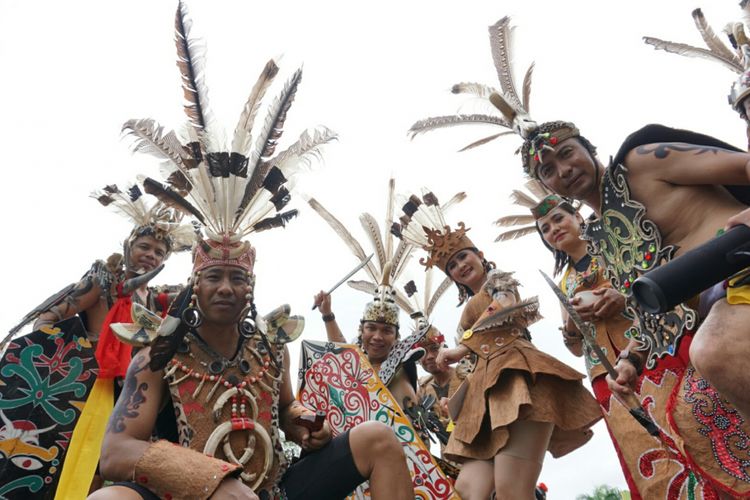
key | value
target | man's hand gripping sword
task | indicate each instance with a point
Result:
(586, 329)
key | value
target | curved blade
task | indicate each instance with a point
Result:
(349, 275)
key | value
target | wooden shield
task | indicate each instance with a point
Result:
(45, 377)
(338, 379)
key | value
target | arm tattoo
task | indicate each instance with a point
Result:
(132, 396)
(661, 151)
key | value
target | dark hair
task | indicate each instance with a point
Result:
(464, 292)
(561, 258)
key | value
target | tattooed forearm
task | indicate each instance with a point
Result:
(661, 151)
(133, 395)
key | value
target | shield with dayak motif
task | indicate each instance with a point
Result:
(338, 379)
(45, 377)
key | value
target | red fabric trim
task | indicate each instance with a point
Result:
(683, 357)
(163, 299)
(603, 395)
(112, 355)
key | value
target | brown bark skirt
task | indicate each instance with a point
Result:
(522, 383)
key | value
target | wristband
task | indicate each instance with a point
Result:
(634, 360)
(328, 317)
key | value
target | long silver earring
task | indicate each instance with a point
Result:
(246, 325)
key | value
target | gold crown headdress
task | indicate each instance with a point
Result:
(737, 58)
(514, 108)
(388, 267)
(156, 219)
(232, 191)
(423, 224)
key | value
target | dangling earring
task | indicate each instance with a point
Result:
(246, 325)
(192, 315)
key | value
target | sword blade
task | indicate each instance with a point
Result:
(583, 326)
(348, 275)
(631, 401)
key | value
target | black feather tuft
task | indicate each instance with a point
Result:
(238, 164)
(104, 199)
(410, 288)
(218, 164)
(111, 189)
(278, 220)
(396, 230)
(281, 198)
(171, 198)
(430, 199)
(135, 192)
(274, 180)
(410, 208)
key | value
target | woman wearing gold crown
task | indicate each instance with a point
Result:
(519, 402)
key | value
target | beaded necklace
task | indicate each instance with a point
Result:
(572, 282)
(241, 391)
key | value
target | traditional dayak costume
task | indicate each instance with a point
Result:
(227, 410)
(512, 379)
(384, 273)
(78, 359)
(701, 450)
(612, 334)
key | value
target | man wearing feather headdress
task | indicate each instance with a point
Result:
(378, 331)
(222, 353)
(664, 193)
(226, 369)
(103, 297)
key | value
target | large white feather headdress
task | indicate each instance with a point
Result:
(231, 189)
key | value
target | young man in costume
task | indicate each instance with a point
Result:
(102, 297)
(677, 178)
(378, 333)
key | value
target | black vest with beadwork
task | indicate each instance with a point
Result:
(630, 245)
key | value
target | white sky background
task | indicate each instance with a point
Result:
(73, 72)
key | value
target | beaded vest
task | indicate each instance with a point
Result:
(229, 408)
(629, 245)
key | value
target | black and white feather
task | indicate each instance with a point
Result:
(513, 107)
(233, 187)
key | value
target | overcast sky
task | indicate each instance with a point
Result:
(74, 71)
